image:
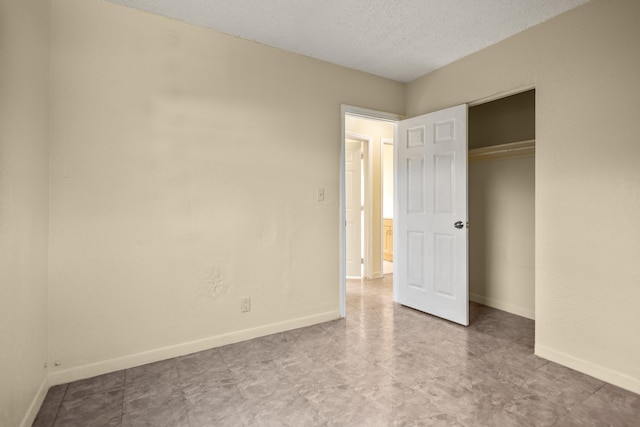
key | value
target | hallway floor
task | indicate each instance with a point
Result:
(383, 365)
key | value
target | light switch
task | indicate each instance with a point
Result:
(320, 193)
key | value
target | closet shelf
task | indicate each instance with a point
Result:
(503, 151)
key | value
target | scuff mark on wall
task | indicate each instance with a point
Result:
(214, 286)
(269, 234)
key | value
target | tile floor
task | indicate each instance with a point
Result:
(387, 267)
(384, 365)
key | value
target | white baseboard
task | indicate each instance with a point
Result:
(501, 305)
(36, 403)
(605, 374)
(130, 361)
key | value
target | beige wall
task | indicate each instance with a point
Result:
(184, 165)
(377, 130)
(501, 234)
(505, 120)
(184, 170)
(24, 38)
(387, 180)
(585, 66)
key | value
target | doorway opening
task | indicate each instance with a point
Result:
(366, 197)
(367, 132)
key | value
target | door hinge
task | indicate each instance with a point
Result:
(361, 260)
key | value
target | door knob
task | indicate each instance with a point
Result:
(458, 224)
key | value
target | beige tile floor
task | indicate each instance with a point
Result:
(387, 267)
(385, 365)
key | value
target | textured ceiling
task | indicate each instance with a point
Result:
(400, 40)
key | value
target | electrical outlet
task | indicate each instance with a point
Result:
(320, 194)
(245, 304)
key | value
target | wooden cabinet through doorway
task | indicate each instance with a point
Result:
(387, 232)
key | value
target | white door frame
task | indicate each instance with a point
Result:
(369, 114)
(384, 141)
(359, 244)
(367, 169)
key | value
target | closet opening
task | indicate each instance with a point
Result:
(501, 174)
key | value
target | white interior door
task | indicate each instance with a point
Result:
(353, 207)
(431, 262)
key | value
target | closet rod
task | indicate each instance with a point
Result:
(513, 149)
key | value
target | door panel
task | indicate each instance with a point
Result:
(431, 253)
(444, 264)
(444, 171)
(415, 183)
